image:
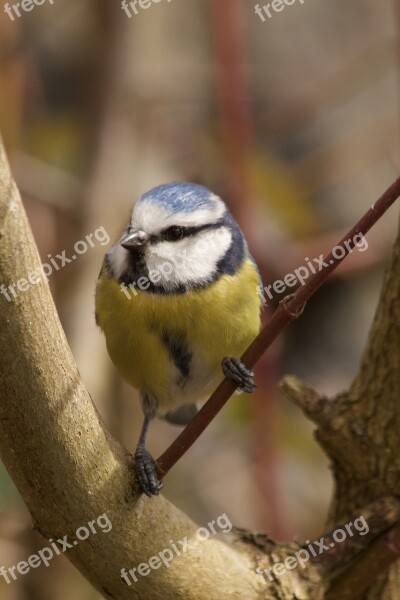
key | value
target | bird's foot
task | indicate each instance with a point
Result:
(146, 473)
(233, 368)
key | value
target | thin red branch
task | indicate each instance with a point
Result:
(232, 86)
(236, 133)
(289, 309)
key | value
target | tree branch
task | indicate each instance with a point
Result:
(380, 516)
(358, 429)
(289, 309)
(69, 470)
(67, 467)
(354, 583)
(316, 407)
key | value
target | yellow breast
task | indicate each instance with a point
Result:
(147, 334)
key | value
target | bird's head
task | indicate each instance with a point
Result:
(180, 235)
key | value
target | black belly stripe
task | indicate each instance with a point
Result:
(180, 353)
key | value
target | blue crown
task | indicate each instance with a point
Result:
(181, 197)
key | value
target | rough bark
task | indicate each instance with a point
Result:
(69, 470)
(359, 431)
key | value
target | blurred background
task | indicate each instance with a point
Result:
(294, 121)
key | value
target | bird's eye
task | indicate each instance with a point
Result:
(174, 233)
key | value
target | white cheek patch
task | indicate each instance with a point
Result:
(118, 259)
(150, 216)
(189, 261)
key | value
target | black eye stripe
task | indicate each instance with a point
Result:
(185, 231)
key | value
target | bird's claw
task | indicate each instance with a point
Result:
(233, 368)
(146, 474)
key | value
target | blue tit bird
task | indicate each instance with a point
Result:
(177, 299)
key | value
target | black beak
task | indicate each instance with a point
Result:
(134, 239)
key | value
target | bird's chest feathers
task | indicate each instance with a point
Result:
(172, 345)
(156, 343)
